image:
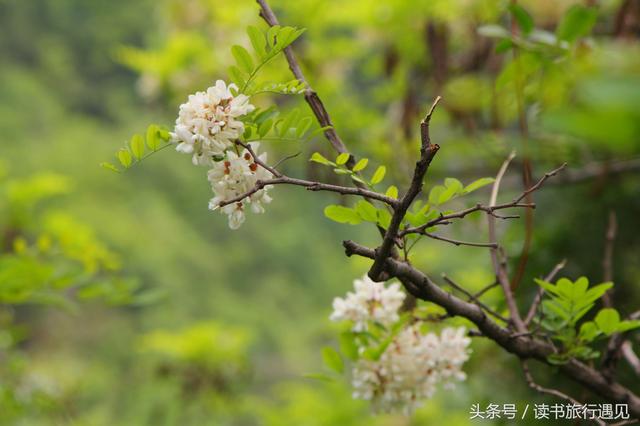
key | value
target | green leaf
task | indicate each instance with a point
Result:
(257, 40)
(553, 306)
(342, 214)
(367, 211)
(237, 76)
(384, 218)
(478, 184)
(124, 155)
(392, 192)
(504, 45)
(348, 345)
(628, 325)
(580, 287)
(378, 175)
(264, 127)
(596, 292)
(137, 146)
(153, 139)
(271, 34)
(525, 21)
(332, 359)
(342, 158)
(303, 126)
(577, 22)
(547, 286)
(316, 157)
(243, 58)
(434, 194)
(164, 134)
(447, 194)
(288, 121)
(455, 184)
(608, 320)
(588, 331)
(357, 178)
(360, 165)
(109, 166)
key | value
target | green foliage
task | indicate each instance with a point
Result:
(567, 304)
(266, 46)
(270, 125)
(217, 349)
(50, 255)
(453, 188)
(133, 153)
(577, 22)
(332, 359)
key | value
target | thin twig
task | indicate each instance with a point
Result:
(533, 385)
(427, 153)
(444, 219)
(288, 157)
(473, 298)
(280, 179)
(459, 242)
(540, 182)
(631, 357)
(498, 265)
(310, 186)
(486, 289)
(607, 258)
(312, 98)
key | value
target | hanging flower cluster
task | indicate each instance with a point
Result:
(412, 363)
(371, 301)
(207, 127)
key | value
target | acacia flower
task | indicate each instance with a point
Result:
(208, 124)
(371, 301)
(235, 175)
(411, 367)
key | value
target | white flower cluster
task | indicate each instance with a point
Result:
(207, 127)
(207, 124)
(234, 176)
(413, 364)
(409, 370)
(371, 301)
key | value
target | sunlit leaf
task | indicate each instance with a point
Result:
(243, 58)
(360, 165)
(378, 175)
(332, 359)
(342, 214)
(137, 146)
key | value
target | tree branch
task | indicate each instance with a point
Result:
(312, 98)
(607, 258)
(427, 153)
(311, 186)
(473, 298)
(498, 265)
(631, 357)
(533, 385)
(524, 346)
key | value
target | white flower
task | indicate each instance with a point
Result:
(409, 370)
(207, 123)
(371, 301)
(235, 175)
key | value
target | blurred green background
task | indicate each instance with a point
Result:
(124, 301)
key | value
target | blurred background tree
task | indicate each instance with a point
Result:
(78, 76)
